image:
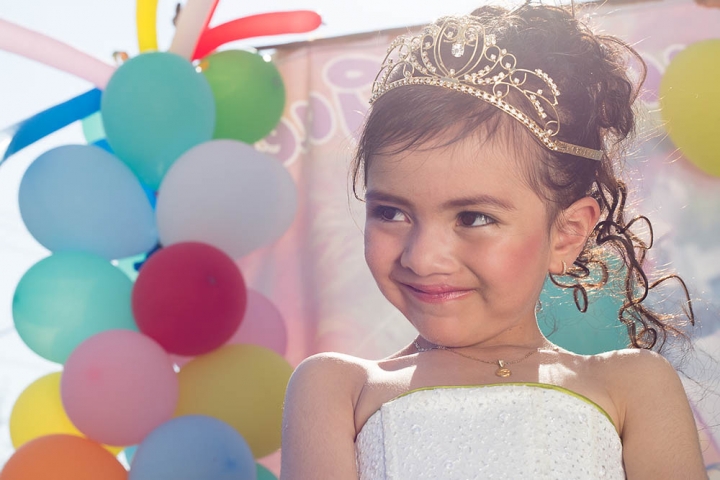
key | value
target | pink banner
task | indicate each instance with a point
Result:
(316, 274)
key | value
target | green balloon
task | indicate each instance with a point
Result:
(68, 297)
(249, 94)
(595, 331)
(264, 474)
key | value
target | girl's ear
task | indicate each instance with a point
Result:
(570, 232)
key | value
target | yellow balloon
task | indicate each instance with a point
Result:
(690, 103)
(38, 411)
(242, 385)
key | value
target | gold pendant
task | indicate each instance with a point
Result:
(503, 371)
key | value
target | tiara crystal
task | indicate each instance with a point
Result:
(457, 54)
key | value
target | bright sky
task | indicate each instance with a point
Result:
(99, 28)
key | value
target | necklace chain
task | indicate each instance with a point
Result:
(502, 370)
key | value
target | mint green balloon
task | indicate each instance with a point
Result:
(127, 265)
(68, 297)
(264, 474)
(92, 127)
(595, 331)
(154, 108)
(249, 94)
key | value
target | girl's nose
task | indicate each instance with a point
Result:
(428, 252)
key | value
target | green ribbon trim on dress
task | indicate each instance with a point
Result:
(527, 384)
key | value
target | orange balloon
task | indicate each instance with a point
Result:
(62, 457)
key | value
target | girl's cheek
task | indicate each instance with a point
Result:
(520, 254)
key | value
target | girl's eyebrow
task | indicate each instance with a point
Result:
(482, 199)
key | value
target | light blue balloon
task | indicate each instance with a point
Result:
(82, 198)
(595, 331)
(68, 297)
(155, 107)
(193, 447)
(130, 452)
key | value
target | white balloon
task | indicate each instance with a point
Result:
(226, 194)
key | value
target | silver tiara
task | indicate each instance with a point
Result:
(481, 69)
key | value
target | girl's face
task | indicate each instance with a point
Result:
(458, 242)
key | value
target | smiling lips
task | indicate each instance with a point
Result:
(435, 293)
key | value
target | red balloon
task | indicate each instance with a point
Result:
(189, 297)
(276, 23)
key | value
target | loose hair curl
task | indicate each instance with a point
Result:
(595, 111)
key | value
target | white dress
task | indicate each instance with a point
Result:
(499, 431)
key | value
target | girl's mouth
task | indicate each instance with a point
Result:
(436, 293)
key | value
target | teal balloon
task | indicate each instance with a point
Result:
(595, 331)
(249, 94)
(264, 474)
(92, 128)
(68, 297)
(83, 198)
(154, 108)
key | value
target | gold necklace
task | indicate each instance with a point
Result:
(502, 371)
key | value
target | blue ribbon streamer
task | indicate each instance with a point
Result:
(31, 130)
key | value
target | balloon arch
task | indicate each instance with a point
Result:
(166, 353)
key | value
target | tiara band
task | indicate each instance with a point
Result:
(481, 69)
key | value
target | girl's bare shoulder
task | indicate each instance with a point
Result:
(332, 371)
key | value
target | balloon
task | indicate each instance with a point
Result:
(82, 198)
(242, 385)
(48, 121)
(226, 194)
(130, 452)
(690, 102)
(146, 21)
(249, 94)
(275, 23)
(264, 474)
(38, 411)
(43, 49)
(155, 107)
(67, 297)
(118, 386)
(595, 331)
(129, 265)
(262, 325)
(92, 127)
(193, 19)
(62, 457)
(190, 297)
(193, 447)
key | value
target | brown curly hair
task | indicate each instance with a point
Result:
(595, 111)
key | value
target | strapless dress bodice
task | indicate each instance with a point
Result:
(500, 431)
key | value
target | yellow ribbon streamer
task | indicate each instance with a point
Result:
(146, 16)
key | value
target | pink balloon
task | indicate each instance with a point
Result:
(118, 386)
(39, 47)
(262, 325)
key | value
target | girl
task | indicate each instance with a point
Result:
(488, 163)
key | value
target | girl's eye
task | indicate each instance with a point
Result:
(388, 214)
(474, 219)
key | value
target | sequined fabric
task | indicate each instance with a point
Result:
(508, 431)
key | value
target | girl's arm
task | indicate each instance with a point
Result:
(319, 419)
(659, 434)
